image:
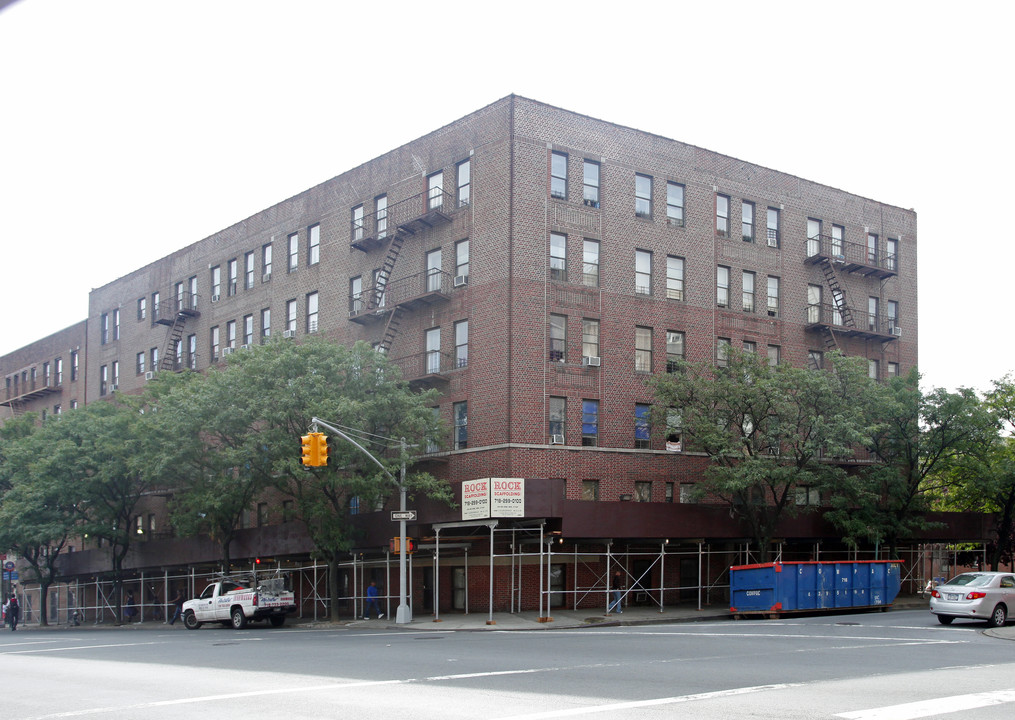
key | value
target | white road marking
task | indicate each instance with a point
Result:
(613, 707)
(930, 708)
(75, 647)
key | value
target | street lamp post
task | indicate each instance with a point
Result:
(404, 612)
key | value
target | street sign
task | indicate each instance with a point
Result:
(9, 565)
(403, 515)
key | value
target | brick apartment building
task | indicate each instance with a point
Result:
(536, 265)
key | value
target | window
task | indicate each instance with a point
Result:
(590, 489)
(59, 371)
(142, 308)
(590, 191)
(873, 368)
(461, 343)
(808, 495)
(722, 352)
(381, 215)
(643, 196)
(312, 307)
(558, 257)
(231, 271)
(433, 270)
(313, 244)
(643, 349)
(674, 277)
(216, 287)
(747, 221)
(815, 359)
(192, 352)
(355, 295)
(872, 314)
(153, 357)
(294, 252)
(892, 315)
(813, 237)
(57, 410)
(139, 367)
(773, 355)
(773, 296)
(722, 216)
(748, 291)
(813, 304)
(462, 258)
(891, 253)
(461, 417)
(262, 514)
(557, 422)
(773, 227)
(674, 349)
(838, 233)
(464, 181)
(722, 286)
(379, 285)
(643, 272)
(432, 340)
(290, 316)
(642, 426)
(248, 270)
(435, 191)
(116, 324)
(675, 204)
(590, 263)
(266, 263)
(73, 365)
(357, 223)
(231, 334)
(872, 249)
(590, 423)
(178, 296)
(103, 380)
(558, 338)
(104, 328)
(750, 346)
(266, 323)
(669, 493)
(178, 355)
(590, 338)
(643, 491)
(893, 369)
(248, 330)
(558, 175)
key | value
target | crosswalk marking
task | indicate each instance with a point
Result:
(929, 708)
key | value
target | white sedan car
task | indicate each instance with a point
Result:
(975, 595)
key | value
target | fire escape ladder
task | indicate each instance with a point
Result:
(831, 343)
(838, 296)
(384, 274)
(390, 330)
(17, 407)
(169, 361)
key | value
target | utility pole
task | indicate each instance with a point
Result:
(404, 613)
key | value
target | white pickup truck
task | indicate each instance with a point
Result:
(236, 602)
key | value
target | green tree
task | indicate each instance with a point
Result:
(920, 436)
(768, 431)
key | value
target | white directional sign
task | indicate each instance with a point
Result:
(403, 515)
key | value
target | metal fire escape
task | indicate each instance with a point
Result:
(174, 314)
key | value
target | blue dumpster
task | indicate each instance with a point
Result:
(775, 588)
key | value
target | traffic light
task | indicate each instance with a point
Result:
(315, 449)
(396, 546)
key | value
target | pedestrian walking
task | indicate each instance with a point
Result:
(11, 612)
(372, 603)
(178, 602)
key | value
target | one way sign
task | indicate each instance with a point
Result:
(403, 515)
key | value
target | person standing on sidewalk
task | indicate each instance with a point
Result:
(372, 603)
(11, 611)
(178, 602)
(618, 593)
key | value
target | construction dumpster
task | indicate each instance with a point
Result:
(776, 588)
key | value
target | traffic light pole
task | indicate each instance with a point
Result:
(404, 613)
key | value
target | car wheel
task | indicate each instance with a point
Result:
(190, 620)
(277, 620)
(945, 619)
(238, 618)
(998, 617)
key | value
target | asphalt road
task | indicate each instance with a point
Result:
(897, 665)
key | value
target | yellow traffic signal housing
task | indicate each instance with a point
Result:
(315, 449)
(309, 449)
(322, 449)
(396, 546)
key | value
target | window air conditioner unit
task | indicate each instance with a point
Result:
(266, 277)
(839, 260)
(591, 361)
(897, 331)
(214, 298)
(556, 439)
(114, 387)
(288, 333)
(227, 351)
(461, 280)
(244, 347)
(149, 375)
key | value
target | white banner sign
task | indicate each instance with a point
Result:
(507, 497)
(476, 499)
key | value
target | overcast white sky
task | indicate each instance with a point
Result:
(130, 129)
